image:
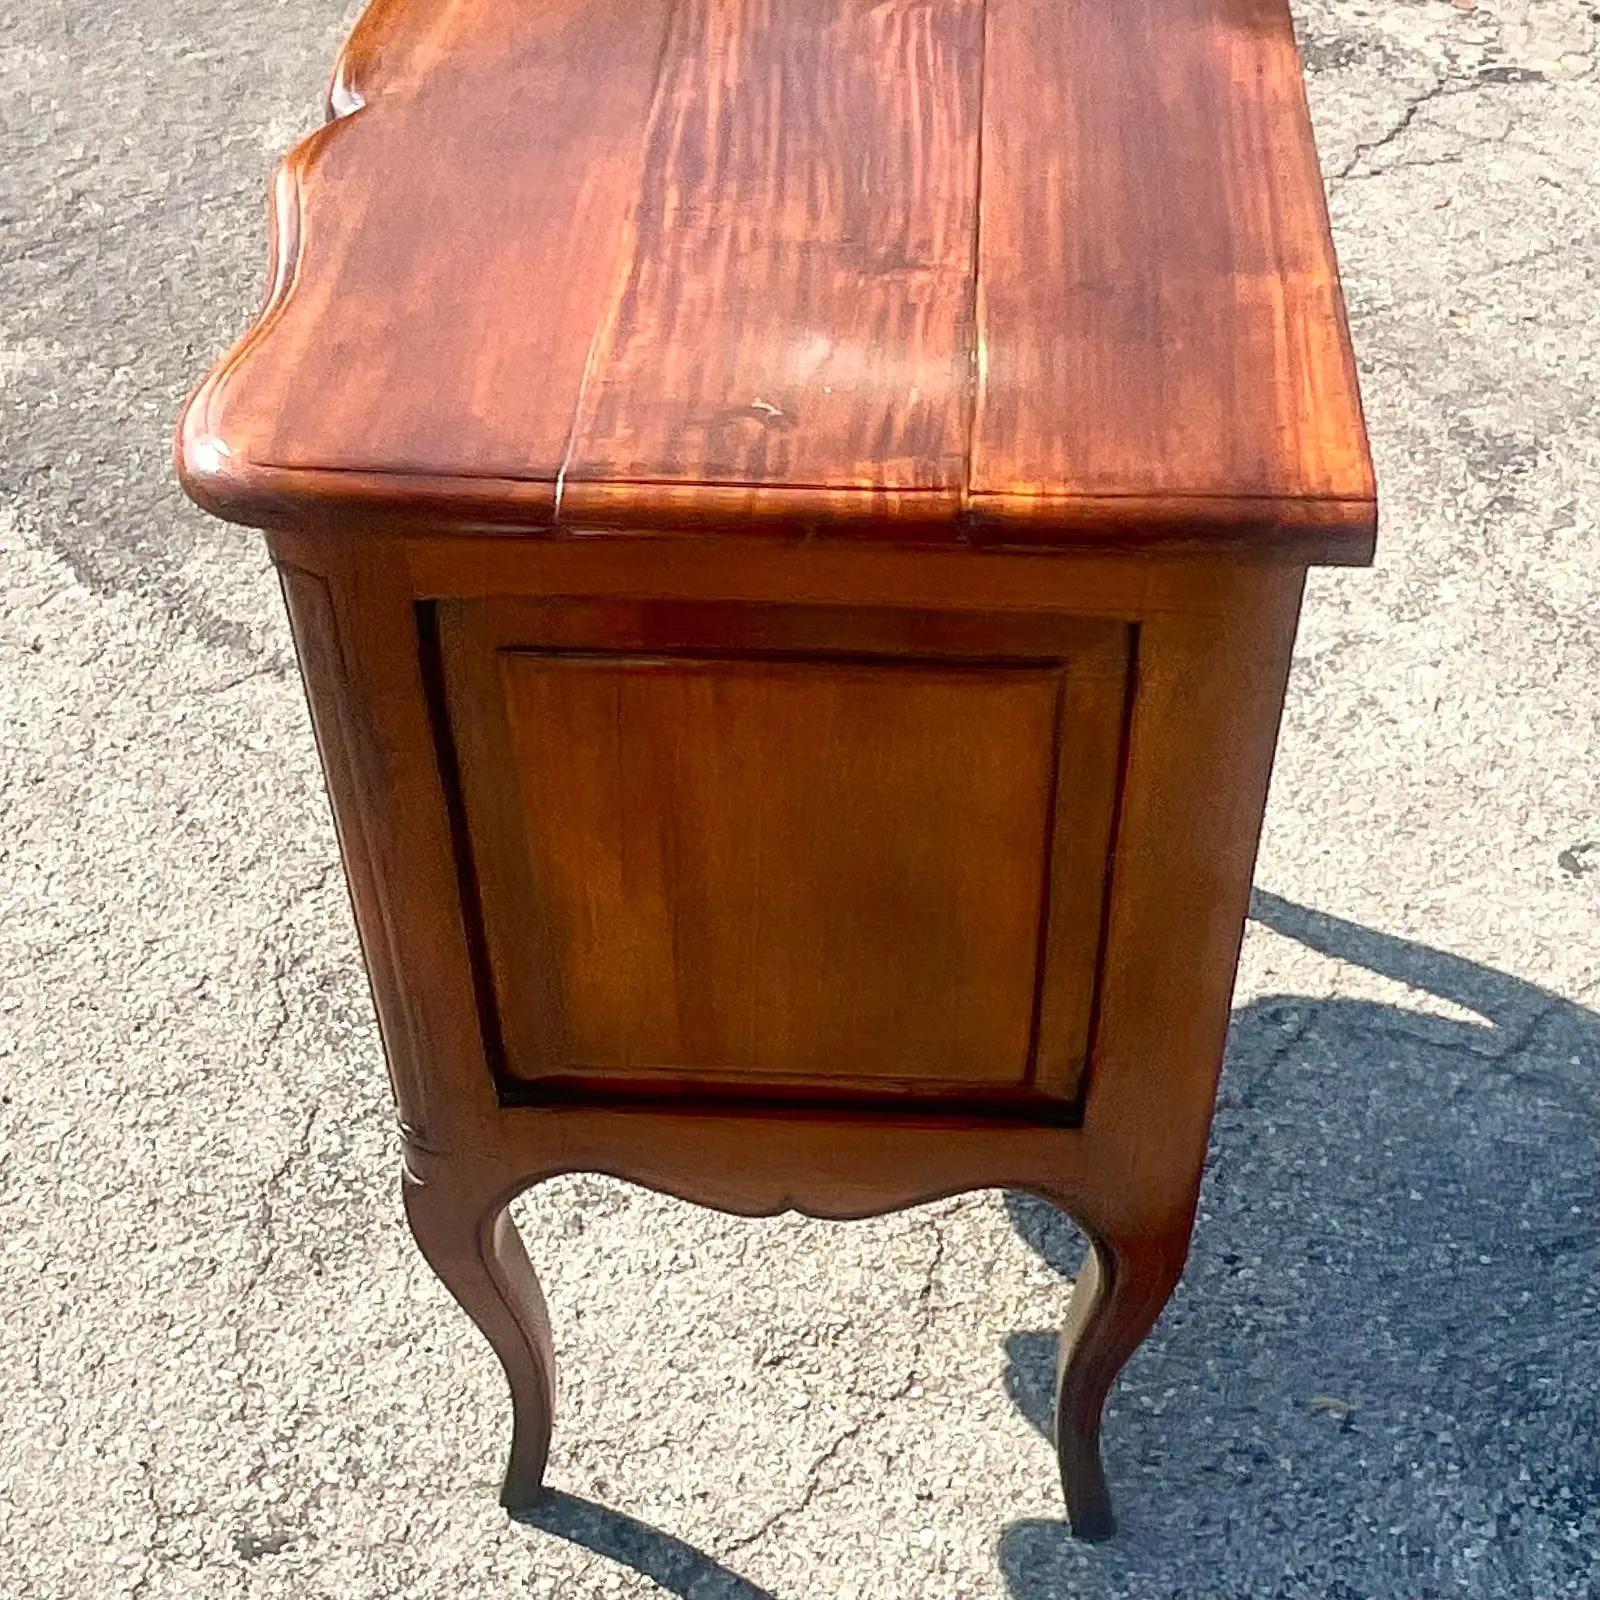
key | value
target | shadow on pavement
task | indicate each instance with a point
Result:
(670, 1563)
(1380, 1376)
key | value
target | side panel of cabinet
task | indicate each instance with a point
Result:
(788, 851)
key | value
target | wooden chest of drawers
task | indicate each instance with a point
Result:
(793, 518)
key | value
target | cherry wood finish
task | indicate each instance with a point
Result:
(1210, 644)
(1159, 314)
(997, 270)
(793, 517)
(700, 831)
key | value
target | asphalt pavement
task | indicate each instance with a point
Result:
(224, 1371)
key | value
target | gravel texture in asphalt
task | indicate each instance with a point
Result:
(224, 1371)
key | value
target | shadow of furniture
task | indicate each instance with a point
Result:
(1381, 1376)
(669, 1563)
(1381, 1373)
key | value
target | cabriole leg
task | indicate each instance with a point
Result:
(469, 1240)
(1124, 1284)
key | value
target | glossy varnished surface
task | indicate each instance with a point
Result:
(800, 873)
(668, 817)
(787, 851)
(997, 269)
(1158, 309)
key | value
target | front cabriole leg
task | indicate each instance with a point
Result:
(466, 1234)
(1127, 1279)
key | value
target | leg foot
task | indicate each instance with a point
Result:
(471, 1243)
(1119, 1294)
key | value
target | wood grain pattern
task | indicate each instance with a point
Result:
(1214, 640)
(730, 854)
(1159, 308)
(778, 872)
(436, 260)
(702, 834)
(995, 271)
(795, 300)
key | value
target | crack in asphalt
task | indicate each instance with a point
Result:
(813, 1483)
(266, 1211)
(1448, 87)
(279, 667)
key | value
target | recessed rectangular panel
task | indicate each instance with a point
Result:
(808, 870)
(715, 857)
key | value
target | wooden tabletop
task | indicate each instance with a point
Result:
(1006, 271)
